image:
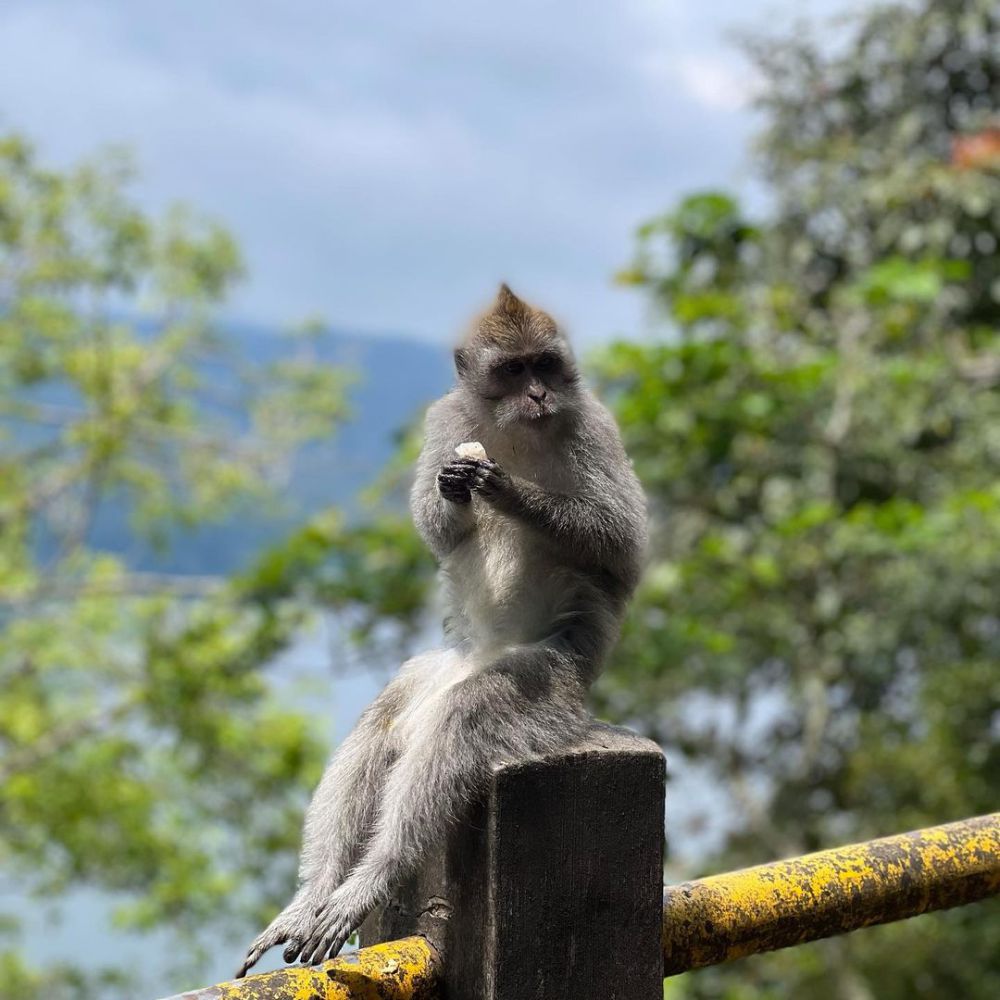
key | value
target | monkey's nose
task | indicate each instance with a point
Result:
(538, 395)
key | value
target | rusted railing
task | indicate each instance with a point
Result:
(819, 895)
(553, 885)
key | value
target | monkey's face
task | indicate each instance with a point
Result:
(517, 367)
(532, 388)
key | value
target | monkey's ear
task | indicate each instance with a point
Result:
(461, 362)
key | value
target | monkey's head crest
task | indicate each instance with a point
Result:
(518, 364)
(512, 326)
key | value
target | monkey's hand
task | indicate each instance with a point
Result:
(454, 481)
(494, 485)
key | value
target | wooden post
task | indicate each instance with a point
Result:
(553, 887)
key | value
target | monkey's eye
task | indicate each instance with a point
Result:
(513, 367)
(545, 363)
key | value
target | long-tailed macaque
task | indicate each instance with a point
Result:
(540, 545)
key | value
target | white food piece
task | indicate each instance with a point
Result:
(471, 449)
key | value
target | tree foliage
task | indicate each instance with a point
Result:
(819, 435)
(142, 750)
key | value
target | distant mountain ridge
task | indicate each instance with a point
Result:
(396, 378)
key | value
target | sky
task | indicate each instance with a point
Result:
(386, 166)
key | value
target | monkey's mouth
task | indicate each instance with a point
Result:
(533, 415)
(539, 413)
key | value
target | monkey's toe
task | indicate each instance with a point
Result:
(330, 945)
(328, 937)
(253, 957)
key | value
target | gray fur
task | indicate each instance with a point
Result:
(539, 555)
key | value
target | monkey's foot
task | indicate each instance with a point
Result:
(292, 922)
(332, 925)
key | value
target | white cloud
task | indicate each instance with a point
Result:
(386, 169)
(718, 83)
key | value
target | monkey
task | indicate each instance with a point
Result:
(540, 547)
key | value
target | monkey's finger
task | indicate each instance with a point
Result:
(458, 475)
(453, 479)
(275, 934)
(459, 478)
(332, 943)
(319, 947)
(312, 942)
(480, 464)
(253, 957)
(292, 950)
(464, 468)
(460, 496)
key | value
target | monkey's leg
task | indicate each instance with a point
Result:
(526, 703)
(341, 815)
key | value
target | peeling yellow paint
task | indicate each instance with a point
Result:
(398, 970)
(711, 920)
(789, 902)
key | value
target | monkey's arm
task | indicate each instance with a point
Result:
(440, 500)
(603, 523)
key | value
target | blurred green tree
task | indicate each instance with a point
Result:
(142, 750)
(819, 434)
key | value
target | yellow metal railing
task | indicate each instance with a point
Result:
(710, 920)
(408, 969)
(832, 892)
